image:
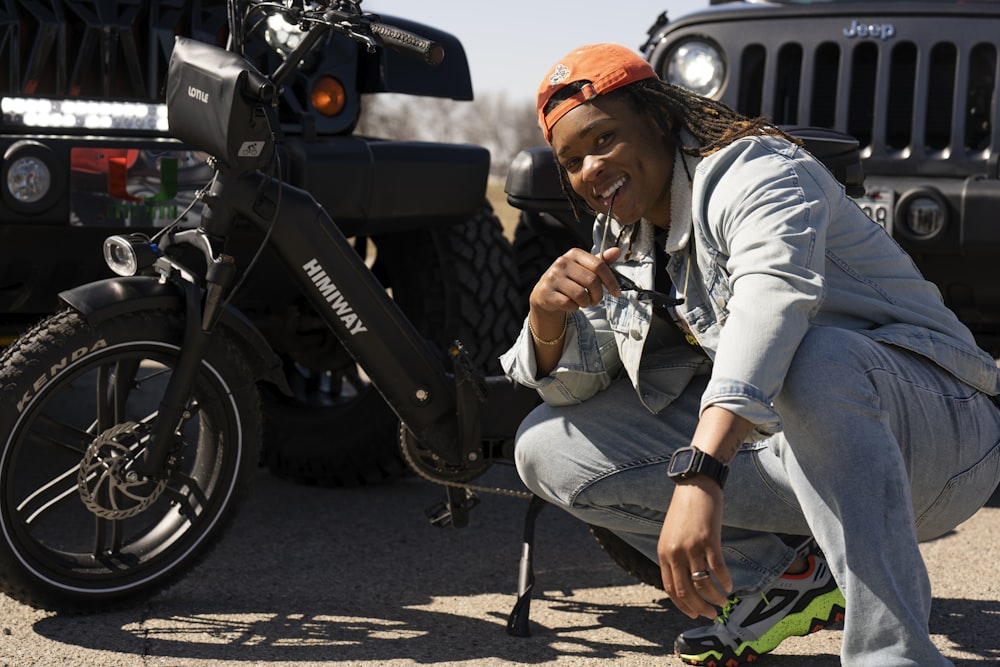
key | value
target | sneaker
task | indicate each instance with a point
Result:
(797, 605)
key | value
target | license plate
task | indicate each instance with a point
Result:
(878, 204)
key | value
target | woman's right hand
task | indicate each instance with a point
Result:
(575, 280)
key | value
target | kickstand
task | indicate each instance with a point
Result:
(517, 622)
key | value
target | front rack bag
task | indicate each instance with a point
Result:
(218, 103)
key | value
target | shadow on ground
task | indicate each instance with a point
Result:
(358, 576)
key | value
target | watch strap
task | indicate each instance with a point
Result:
(701, 464)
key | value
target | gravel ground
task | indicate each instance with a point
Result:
(314, 576)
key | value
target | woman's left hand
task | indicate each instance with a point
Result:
(691, 542)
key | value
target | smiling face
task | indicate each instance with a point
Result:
(606, 146)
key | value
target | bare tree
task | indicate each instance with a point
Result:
(507, 128)
(492, 121)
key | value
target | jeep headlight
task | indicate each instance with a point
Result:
(281, 35)
(695, 64)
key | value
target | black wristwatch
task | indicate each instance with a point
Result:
(690, 461)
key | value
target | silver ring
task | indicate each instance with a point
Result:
(700, 575)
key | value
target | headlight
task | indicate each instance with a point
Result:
(281, 35)
(697, 65)
(128, 255)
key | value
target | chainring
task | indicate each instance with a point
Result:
(107, 481)
(432, 467)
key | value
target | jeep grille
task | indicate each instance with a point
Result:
(94, 49)
(921, 100)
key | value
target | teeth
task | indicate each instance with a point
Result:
(610, 191)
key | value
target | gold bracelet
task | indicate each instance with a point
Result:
(555, 341)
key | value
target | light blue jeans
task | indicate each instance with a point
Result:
(880, 449)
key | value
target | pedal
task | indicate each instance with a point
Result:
(454, 509)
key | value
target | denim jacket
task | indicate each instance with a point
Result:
(763, 245)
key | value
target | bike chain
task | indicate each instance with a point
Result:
(404, 433)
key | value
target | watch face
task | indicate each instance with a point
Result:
(681, 461)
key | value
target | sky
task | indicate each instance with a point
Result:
(510, 44)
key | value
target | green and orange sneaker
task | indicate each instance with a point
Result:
(749, 627)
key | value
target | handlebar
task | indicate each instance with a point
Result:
(407, 42)
(363, 27)
(345, 17)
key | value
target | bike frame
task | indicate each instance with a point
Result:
(340, 286)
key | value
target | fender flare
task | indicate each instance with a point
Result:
(101, 300)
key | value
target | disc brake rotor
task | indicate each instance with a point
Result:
(107, 481)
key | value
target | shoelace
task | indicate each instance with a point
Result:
(723, 617)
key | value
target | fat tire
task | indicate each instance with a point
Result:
(628, 557)
(456, 282)
(47, 553)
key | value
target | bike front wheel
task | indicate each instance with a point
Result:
(80, 530)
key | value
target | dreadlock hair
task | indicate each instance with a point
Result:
(712, 124)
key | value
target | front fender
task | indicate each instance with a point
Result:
(389, 71)
(104, 299)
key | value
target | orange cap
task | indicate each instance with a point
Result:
(606, 66)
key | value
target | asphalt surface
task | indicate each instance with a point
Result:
(318, 576)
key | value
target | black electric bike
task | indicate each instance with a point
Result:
(132, 418)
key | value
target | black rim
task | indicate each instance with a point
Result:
(111, 535)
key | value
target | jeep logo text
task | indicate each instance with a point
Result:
(873, 30)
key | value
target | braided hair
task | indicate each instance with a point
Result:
(712, 124)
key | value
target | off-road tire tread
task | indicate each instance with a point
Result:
(628, 557)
